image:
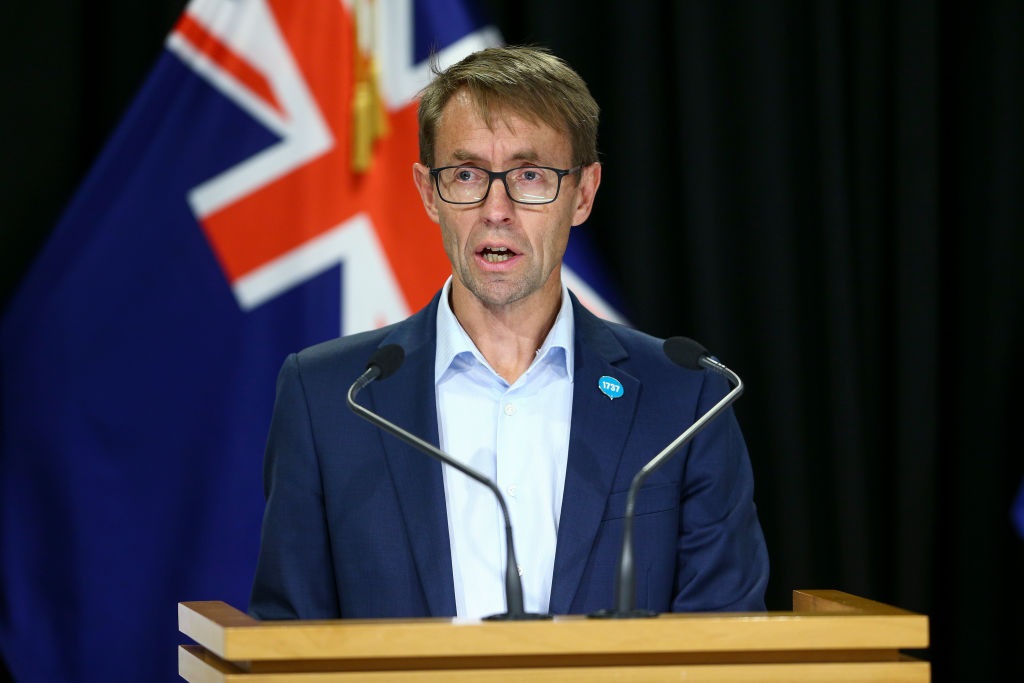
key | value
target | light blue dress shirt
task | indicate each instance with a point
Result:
(517, 435)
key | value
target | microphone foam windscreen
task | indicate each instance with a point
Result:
(685, 352)
(388, 358)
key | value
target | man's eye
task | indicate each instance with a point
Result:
(465, 176)
(529, 176)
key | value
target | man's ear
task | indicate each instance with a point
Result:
(586, 191)
(425, 186)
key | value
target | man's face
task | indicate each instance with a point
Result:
(501, 251)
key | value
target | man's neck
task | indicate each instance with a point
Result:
(509, 335)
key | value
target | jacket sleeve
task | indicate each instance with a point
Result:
(722, 561)
(294, 574)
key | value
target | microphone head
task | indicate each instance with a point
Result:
(684, 352)
(387, 359)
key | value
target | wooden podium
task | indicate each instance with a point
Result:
(829, 636)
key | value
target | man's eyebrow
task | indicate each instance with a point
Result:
(528, 155)
(463, 155)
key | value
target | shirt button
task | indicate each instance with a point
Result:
(513, 490)
(510, 409)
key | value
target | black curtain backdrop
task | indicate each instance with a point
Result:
(826, 194)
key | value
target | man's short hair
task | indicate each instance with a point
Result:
(529, 81)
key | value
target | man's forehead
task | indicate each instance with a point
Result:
(463, 119)
(493, 115)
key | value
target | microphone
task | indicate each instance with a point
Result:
(687, 353)
(382, 365)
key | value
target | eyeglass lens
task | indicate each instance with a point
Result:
(469, 184)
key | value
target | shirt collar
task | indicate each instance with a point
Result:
(454, 347)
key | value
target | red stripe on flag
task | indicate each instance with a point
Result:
(211, 46)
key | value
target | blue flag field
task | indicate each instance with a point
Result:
(252, 202)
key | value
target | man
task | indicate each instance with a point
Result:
(507, 372)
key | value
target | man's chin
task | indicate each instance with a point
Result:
(499, 291)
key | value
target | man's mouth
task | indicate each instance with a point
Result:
(496, 254)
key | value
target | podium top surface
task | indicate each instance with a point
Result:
(821, 620)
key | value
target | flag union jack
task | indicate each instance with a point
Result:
(299, 205)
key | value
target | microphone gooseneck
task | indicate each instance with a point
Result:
(384, 363)
(688, 354)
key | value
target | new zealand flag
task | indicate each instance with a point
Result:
(256, 199)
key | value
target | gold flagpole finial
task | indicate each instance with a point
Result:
(369, 115)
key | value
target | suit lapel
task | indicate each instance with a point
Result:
(599, 429)
(598, 433)
(408, 400)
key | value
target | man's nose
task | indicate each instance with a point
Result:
(498, 205)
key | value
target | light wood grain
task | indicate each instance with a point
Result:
(828, 631)
(200, 667)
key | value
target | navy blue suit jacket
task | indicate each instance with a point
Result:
(355, 522)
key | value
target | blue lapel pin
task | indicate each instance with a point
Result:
(610, 387)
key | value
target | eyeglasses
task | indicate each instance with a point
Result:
(525, 184)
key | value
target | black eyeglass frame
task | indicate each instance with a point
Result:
(503, 176)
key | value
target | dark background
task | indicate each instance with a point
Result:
(826, 194)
